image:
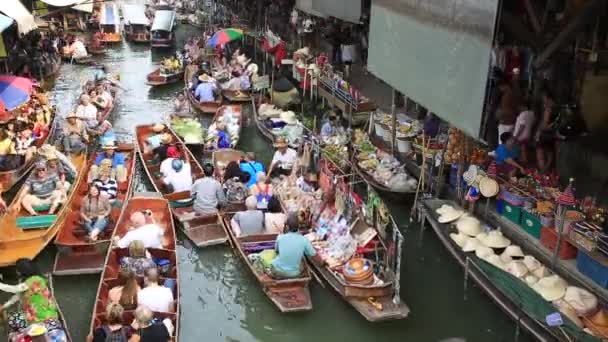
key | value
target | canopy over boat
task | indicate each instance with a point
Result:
(109, 14)
(15, 9)
(135, 15)
(163, 21)
(79, 5)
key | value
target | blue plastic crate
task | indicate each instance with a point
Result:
(499, 206)
(592, 269)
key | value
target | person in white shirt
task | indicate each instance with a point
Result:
(523, 129)
(165, 166)
(154, 296)
(180, 179)
(79, 50)
(283, 159)
(105, 94)
(87, 111)
(150, 234)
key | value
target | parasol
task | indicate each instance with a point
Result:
(14, 91)
(224, 36)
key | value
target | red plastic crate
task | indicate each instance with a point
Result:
(548, 238)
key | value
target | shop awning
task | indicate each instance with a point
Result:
(5, 22)
(135, 15)
(16, 10)
(79, 5)
(163, 21)
(109, 14)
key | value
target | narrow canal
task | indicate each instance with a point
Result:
(220, 301)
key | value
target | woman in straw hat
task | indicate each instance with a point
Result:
(118, 163)
(75, 137)
(206, 90)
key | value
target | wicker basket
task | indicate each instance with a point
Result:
(582, 241)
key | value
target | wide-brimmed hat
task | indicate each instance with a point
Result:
(551, 288)
(443, 209)
(204, 78)
(495, 261)
(542, 272)
(253, 68)
(482, 252)
(450, 215)
(159, 127)
(470, 174)
(289, 117)
(513, 251)
(495, 239)
(516, 268)
(471, 245)
(581, 300)
(468, 225)
(488, 187)
(72, 115)
(531, 279)
(531, 263)
(460, 239)
(109, 146)
(281, 142)
(48, 152)
(166, 138)
(598, 323)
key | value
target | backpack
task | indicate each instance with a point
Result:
(115, 336)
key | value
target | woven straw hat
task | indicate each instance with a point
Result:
(460, 239)
(531, 279)
(598, 324)
(495, 239)
(470, 175)
(443, 209)
(468, 225)
(450, 215)
(568, 311)
(516, 268)
(488, 187)
(513, 251)
(158, 128)
(542, 272)
(551, 288)
(471, 245)
(581, 300)
(531, 263)
(483, 252)
(495, 261)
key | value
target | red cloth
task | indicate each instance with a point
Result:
(278, 51)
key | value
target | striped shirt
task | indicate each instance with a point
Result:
(109, 188)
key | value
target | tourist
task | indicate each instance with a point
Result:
(149, 233)
(234, 183)
(33, 293)
(507, 110)
(160, 152)
(523, 129)
(234, 83)
(24, 144)
(179, 178)
(103, 92)
(208, 193)
(545, 134)
(107, 185)
(146, 330)
(283, 159)
(55, 168)
(105, 132)
(138, 260)
(181, 107)
(40, 189)
(113, 329)
(75, 137)
(95, 210)
(506, 154)
(119, 172)
(222, 139)
(291, 249)
(330, 127)
(205, 91)
(41, 120)
(7, 147)
(250, 221)
(252, 167)
(274, 218)
(87, 111)
(126, 294)
(165, 165)
(261, 190)
(153, 141)
(97, 100)
(156, 297)
(307, 182)
(233, 171)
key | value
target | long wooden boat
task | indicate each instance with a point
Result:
(16, 242)
(266, 132)
(237, 95)
(156, 78)
(288, 295)
(109, 23)
(162, 30)
(377, 185)
(9, 178)
(201, 230)
(136, 24)
(76, 254)
(220, 159)
(202, 107)
(161, 214)
(237, 113)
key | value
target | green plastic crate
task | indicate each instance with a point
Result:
(511, 212)
(35, 222)
(531, 223)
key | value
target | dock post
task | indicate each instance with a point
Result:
(466, 277)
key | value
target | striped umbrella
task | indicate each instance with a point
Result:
(14, 91)
(224, 36)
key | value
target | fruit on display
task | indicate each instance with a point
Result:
(455, 146)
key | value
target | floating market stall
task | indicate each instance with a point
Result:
(230, 117)
(190, 130)
(274, 122)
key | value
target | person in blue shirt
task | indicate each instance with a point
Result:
(330, 127)
(252, 167)
(291, 249)
(205, 91)
(119, 171)
(506, 155)
(223, 138)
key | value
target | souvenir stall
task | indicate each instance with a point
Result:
(407, 129)
(274, 122)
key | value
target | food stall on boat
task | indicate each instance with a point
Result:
(162, 29)
(136, 24)
(109, 23)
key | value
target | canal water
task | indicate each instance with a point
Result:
(220, 301)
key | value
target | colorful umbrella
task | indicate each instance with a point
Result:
(14, 91)
(224, 36)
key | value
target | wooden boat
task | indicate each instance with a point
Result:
(535, 327)
(109, 23)
(237, 95)
(373, 182)
(266, 132)
(201, 230)
(288, 295)
(161, 214)
(16, 242)
(220, 159)
(76, 255)
(237, 113)
(61, 315)
(202, 107)
(156, 78)
(9, 178)
(136, 24)
(162, 31)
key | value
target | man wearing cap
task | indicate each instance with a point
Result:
(283, 159)
(205, 91)
(41, 189)
(87, 111)
(179, 177)
(118, 163)
(252, 167)
(172, 154)
(75, 136)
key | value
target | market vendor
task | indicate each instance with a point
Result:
(252, 167)
(291, 249)
(181, 107)
(283, 159)
(307, 182)
(222, 137)
(205, 91)
(234, 83)
(506, 155)
(330, 127)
